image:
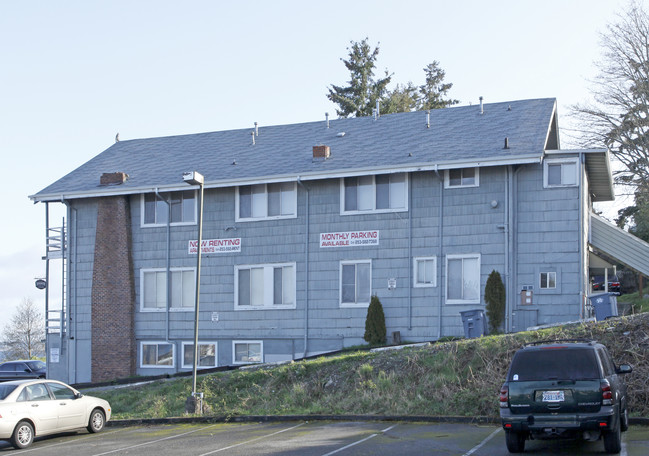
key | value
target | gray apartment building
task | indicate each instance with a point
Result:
(303, 223)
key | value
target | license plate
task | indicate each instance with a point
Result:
(553, 396)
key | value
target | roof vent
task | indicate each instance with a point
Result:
(113, 178)
(256, 129)
(481, 106)
(321, 151)
(327, 118)
(506, 143)
(252, 133)
(428, 119)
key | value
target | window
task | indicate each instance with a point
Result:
(264, 201)
(61, 391)
(247, 352)
(181, 204)
(36, 392)
(462, 177)
(548, 280)
(425, 272)
(355, 283)
(153, 289)
(386, 192)
(206, 355)
(463, 279)
(560, 173)
(157, 354)
(265, 286)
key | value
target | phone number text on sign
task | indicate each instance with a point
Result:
(349, 239)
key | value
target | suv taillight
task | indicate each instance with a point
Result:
(607, 394)
(504, 396)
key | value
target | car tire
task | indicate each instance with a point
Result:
(613, 438)
(515, 441)
(96, 421)
(23, 435)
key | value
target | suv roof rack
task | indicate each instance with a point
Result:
(556, 341)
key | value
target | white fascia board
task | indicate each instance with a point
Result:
(310, 176)
(576, 151)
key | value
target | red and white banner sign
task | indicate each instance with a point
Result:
(216, 246)
(349, 239)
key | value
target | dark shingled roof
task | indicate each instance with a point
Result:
(457, 136)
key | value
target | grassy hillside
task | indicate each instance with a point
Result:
(460, 378)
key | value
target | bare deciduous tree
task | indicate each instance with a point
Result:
(618, 115)
(23, 337)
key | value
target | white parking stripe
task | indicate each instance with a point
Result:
(360, 441)
(67, 442)
(155, 441)
(252, 440)
(481, 444)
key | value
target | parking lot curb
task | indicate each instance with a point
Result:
(279, 418)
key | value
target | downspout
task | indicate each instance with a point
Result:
(73, 297)
(582, 279)
(410, 251)
(168, 271)
(306, 267)
(509, 301)
(441, 250)
(513, 239)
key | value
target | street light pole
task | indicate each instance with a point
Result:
(195, 178)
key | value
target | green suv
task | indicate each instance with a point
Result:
(564, 389)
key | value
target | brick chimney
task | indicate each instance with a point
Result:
(113, 178)
(113, 292)
(321, 152)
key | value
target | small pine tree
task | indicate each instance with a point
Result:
(375, 332)
(494, 296)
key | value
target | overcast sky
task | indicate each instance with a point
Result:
(75, 73)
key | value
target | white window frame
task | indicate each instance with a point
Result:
(269, 279)
(167, 207)
(249, 342)
(560, 161)
(200, 342)
(476, 183)
(340, 281)
(415, 268)
(463, 257)
(143, 272)
(547, 280)
(238, 217)
(157, 366)
(373, 209)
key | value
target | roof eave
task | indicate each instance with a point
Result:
(308, 176)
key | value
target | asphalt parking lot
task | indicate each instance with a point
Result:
(304, 438)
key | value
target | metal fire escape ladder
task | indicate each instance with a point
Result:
(56, 248)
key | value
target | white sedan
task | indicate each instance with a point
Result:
(30, 408)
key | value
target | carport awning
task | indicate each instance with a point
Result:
(619, 245)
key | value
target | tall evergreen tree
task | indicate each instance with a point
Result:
(435, 89)
(360, 96)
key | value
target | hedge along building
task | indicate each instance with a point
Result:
(303, 223)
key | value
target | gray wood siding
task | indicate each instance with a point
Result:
(548, 240)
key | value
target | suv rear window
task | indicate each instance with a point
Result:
(556, 363)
